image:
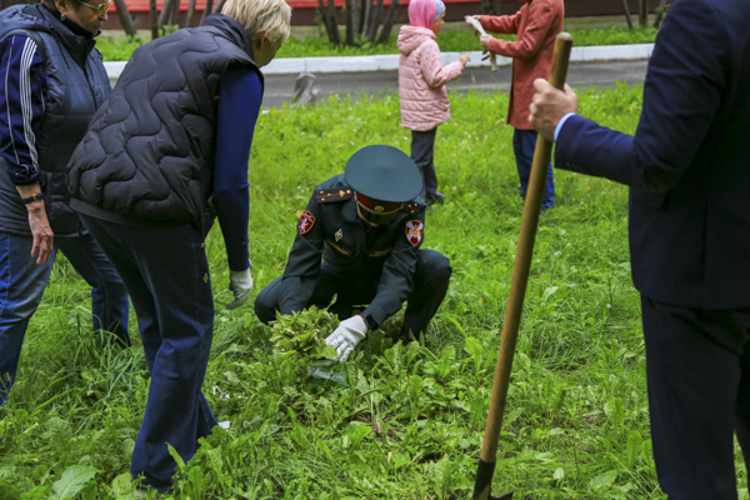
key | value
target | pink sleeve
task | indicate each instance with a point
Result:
(502, 24)
(526, 47)
(435, 74)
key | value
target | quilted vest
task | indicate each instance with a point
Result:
(77, 85)
(148, 156)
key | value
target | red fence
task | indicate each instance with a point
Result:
(304, 11)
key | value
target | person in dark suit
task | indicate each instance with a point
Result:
(688, 169)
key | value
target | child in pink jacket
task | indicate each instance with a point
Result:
(421, 81)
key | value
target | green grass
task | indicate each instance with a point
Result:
(450, 40)
(411, 423)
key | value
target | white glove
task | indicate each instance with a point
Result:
(240, 283)
(345, 338)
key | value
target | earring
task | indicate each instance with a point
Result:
(62, 17)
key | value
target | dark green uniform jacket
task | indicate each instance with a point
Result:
(352, 250)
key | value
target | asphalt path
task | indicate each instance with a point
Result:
(279, 89)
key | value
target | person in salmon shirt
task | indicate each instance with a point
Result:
(535, 25)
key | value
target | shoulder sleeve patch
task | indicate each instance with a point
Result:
(306, 222)
(342, 193)
(415, 232)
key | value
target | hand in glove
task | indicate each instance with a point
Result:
(345, 338)
(240, 283)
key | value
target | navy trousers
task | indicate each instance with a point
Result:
(423, 153)
(524, 143)
(431, 280)
(698, 369)
(166, 274)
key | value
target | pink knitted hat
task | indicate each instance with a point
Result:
(422, 13)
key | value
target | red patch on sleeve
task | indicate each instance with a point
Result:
(414, 232)
(306, 222)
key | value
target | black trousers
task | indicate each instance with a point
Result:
(422, 153)
(698, 366)
(431, 279)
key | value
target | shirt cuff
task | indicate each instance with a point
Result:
(560, 124)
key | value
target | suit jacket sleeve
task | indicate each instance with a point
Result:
(682, 92)
(397, 279)
(303, 266)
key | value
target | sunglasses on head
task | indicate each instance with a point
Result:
(100, 9)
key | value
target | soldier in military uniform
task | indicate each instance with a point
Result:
(368, 225)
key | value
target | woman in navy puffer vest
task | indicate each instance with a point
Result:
(164, 155)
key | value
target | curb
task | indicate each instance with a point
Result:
(362, 64)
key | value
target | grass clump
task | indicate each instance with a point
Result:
(303, 334)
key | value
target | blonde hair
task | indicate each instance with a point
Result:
(261, 17)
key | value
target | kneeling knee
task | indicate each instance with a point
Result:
(437, 266)
(264, 311)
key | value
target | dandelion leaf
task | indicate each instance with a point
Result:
(72, 481)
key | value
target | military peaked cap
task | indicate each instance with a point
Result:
(383, 173)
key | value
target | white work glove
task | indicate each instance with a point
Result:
(240, 283)
(345, 338)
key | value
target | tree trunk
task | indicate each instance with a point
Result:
(207, 10)
(166, 9)
(362, 6)
(660, 10)
(174, 15)
(328, 14)
(336, 40)
(375, 22)
(627, 13)
(125, 20)
(190, 14)
(355, 18)
(643, 13)
(154, 19)
(351, 22)
(366, 20)
(324, 18)
(385, 33)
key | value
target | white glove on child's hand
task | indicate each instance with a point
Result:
(240, 283)
(345, 338)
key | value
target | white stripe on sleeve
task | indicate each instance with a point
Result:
(29, 49)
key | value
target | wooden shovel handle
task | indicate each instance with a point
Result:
(524, 253)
